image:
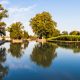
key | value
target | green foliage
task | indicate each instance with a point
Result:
(3, 68)
(26, 44)
(66, 38)
(2, 55)
(2, 31)
(26, 35)
(43, 54)
(2, 24)
(33, 37)
(3, 14)
(3, 38)
(16, 50)
(75, 33)
(75, 46)
(2, 28)
(16, 30)
(43, 25)
(64, 33)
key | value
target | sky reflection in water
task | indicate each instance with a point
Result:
(37, 61)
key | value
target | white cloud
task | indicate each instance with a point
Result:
(21, 9)
(21, 14)
(4, 2)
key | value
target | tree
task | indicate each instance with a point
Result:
(75, 33)
(43, 54)
(3, 69)
(16, 30)
(16, 50)
(26, 44)
(43, 25)
(2, 28)
(64, 33)
(73, 46)
(3, 14)
(26, 35)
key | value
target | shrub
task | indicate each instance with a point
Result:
(3, 38)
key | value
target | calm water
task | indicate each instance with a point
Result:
(36, 61)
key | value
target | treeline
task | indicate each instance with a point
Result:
(65, 36)
(71, 33)
(42, 25)
(16, 29)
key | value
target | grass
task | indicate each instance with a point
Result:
(65, 38)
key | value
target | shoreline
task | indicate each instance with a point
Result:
(37, 40)
(63, 41)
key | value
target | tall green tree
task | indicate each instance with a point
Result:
(3, 14)
(43, 25)
(16, 30)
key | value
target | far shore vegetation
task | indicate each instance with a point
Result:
(43, 26)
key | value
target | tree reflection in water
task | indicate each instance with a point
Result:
(26, 44)
(44, 53)
(73, 46)
(17, 49)
(3, 69)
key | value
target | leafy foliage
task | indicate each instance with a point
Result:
(26, 35)
(3, 14)
(16, 50)
(16, 31)
(75, 33)
(43, 54)
(3, 68)
(73, 46)
(43, 25)
(66, 38)
(64, 33)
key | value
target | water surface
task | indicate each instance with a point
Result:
(37, 61)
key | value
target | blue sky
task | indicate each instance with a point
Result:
(65, 12)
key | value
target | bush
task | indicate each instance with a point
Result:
(3, 38)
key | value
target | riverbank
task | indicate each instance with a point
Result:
(59, 41)
(65, 38)
(43, 40)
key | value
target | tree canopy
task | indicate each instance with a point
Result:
(16, 30)
(43, 54)
(43, 25)
(3, 14)
(16, 50)
(3, 68)
(75, 33)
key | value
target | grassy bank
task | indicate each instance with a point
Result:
(65, 38)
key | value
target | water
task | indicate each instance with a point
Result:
(36, 61)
